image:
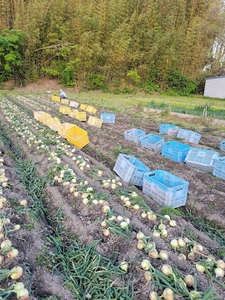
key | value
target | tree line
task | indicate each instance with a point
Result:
(152, 44)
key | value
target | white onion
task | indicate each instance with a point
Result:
(16, 272)
(167, 270)
(145, 264)
(197, 248)
(22, 294)
(140, 235)
(164, 233)
(6, 244)
(106, 232)
(153, 253)
(219, 272)
(189, 280)
(153, 296)
(124, 225)
(163, 255)
(124, 266)
(172, 223)
(174, 243)
(181, 242)
(181, 256)
(140, 244)
(221, 264)
(168, 294)
(147, 276)
(200, 267)
(12, 253)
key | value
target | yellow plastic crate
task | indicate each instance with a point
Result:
(56, 126)
(63, 128)
(83, 106)
(52, 121)
(56, 98)
(37, 114)
(73, 113)
(81, 116)
(64, 110)
(91, 109)
(94, 121)
(77, 137)
(44, 117)
(64, 101)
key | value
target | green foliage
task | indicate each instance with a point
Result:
(134, 76)
(180, 83)
(96, 82)
(166, 210)
(149, 86)
(11, 55)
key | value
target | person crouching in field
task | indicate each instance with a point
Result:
(62, 95)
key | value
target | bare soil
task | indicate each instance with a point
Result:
(205, 200)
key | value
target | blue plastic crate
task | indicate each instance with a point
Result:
(222, 145)
(152, 142)
(169, 129)
(201, 159)
(165, 188)
(130, 169)
(189, 136)
(175, 150)
(134, 135)
(108, 117)
(219, 167)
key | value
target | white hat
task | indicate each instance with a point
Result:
(60, 91)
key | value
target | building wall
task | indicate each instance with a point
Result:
(215, 87)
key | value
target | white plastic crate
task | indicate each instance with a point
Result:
(219, 167)
(189, 136)
(74, 104)
(165, 188)
(134, 135)
(222, 145)
(175, 150)
(152, 142)
(108, 117)
(130, 169)
(201, 159)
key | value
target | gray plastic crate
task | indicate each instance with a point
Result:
(201, 159)
(189, 136)
(134, 135)
(152, 142)
(219, 167)
(130, 169)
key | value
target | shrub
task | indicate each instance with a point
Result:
(180, 83)
(96, 82)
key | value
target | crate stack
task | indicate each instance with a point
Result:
(164, 187)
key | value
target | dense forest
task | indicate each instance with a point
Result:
(116, 44)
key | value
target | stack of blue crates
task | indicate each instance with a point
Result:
(175, 150)
(165, 188)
